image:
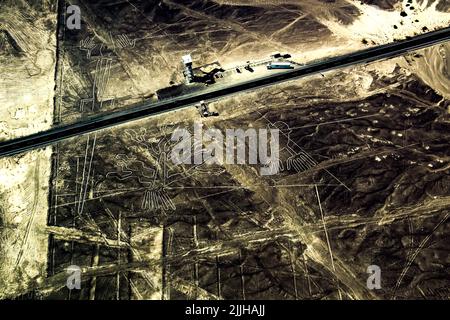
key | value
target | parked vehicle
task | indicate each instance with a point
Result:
(279, 65)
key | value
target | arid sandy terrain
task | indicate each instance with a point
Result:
(364, 157)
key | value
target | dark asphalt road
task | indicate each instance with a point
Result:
(135, 112)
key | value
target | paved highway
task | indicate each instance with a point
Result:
(42, 139)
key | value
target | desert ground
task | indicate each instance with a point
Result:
(364, 157)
